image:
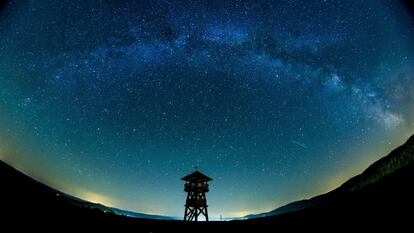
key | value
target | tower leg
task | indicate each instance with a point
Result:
(205, 210)
(185, 213)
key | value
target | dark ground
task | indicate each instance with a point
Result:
(386, 204)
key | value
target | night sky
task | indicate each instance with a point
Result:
(115, 101)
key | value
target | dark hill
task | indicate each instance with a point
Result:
(398, 159)
(381, 198)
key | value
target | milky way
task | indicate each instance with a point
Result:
(115, 101)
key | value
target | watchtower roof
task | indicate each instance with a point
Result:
(196, 176)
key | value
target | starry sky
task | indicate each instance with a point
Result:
(115, 101)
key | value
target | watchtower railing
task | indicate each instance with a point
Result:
(196, 187)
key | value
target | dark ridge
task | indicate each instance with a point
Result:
(396, 160)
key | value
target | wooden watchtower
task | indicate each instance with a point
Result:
(196, 186)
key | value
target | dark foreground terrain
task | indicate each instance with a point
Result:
(381, 198)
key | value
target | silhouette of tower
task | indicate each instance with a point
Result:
(196, 187)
